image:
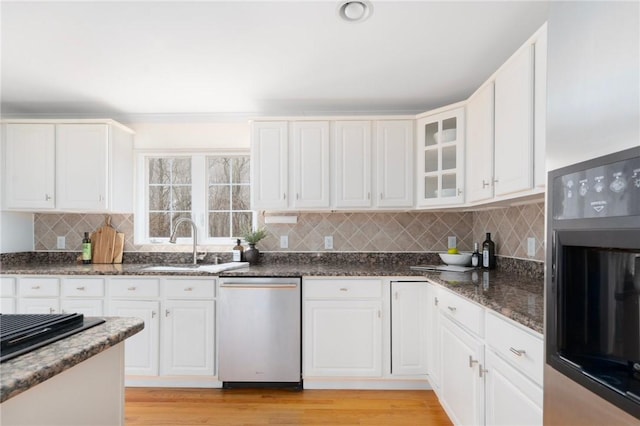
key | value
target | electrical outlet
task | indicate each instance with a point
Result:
(452, 242)
(328, 242)
(531, 247)
(284, 241)
(62, 242)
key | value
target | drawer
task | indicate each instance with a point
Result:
(38, 287)
(136, 288)
(342, 289)
(7, 287)
(82, 287)
(465, 312)
(523, 349)
(189, 289)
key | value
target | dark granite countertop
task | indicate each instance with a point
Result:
(23, 372)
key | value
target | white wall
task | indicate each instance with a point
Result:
(593, 80)
(17, 232)
(192, 135)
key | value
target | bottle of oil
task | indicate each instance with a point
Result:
(488, 253)
(86, 248)
(475, 256)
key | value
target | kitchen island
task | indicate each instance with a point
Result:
(78, 380)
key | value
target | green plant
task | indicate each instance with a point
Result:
(252, 237)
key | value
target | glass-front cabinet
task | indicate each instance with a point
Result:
(441, 158)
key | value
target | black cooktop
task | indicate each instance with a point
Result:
(22, 333)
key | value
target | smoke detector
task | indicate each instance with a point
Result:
(355, 11)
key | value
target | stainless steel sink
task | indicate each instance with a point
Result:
(213, 269)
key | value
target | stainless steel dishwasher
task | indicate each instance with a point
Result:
(259, 332)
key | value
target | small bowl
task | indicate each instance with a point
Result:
(460, 259)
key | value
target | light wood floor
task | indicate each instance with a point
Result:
(157, 407)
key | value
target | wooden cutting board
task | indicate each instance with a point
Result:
(118, 248)
(104, 242)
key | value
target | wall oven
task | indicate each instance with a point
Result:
(593, 291)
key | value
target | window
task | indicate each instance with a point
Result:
(212, 190)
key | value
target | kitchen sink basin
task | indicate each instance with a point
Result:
(213, 269)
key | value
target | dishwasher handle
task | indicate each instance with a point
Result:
(244, 286)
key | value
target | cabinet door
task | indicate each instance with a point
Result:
(342, 338)
(29, 168)
(514, 124)
(88, 307)
(38, 305)
(352, 152)
(269, 154)
(462, 387)
(441, 158)
(394, 159)
(141, 350)
(187, 337)
(433, 342)
(409, 328)
(7, 305)
(310, 162)
(511, 398)
(480, 145)
(81, 166)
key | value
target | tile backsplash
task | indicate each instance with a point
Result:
(510, 228)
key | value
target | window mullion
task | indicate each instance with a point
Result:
(199, 195)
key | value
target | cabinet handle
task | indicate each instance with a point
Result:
(100, 197)
(284, 196)
(435, 301)
(472, 361)
(381, 196)
(47, 197)
(481, 370)
(52, 311)
(35, 287)
(131, 289)
(451, 308)
(153, 314)
(484, 184)
(379, 314)
(81, 288)
(396, 295)
(518, 352)
(166, 312)
(368, 195)
(188, 289)
(496, 180)
(344, 289)
(459, 191)
(297, 196)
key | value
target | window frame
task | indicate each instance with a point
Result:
(199, 197)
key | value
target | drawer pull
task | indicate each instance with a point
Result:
(518, 352)
(344, 289)
(451, 308)
(435, 301)
(472, 361)
(166, 312)
(188, 289)
(131, 288)
(35, 287)
(81, 288)
(52, 311)
(482, 371)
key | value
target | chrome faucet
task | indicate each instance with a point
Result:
(173, 237)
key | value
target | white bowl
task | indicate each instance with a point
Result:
(460, 259)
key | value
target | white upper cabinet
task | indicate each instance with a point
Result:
(480, 145)
(394, 163)
(69, 166)
(310, 164)
(81, 150)
(514, 124)
(269, 167)
(440, 150)
(29, 166)
(352, 151)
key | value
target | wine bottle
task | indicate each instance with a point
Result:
(475, 256)
(86, 248)
(237, 251)
(488, 253)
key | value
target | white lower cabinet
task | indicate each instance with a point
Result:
(433, 337)
(141, 351)
(461, 386)
(7, 295)
(511, 398)
(409, 328)
(187, 337)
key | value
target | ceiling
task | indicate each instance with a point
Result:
(237, 58)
